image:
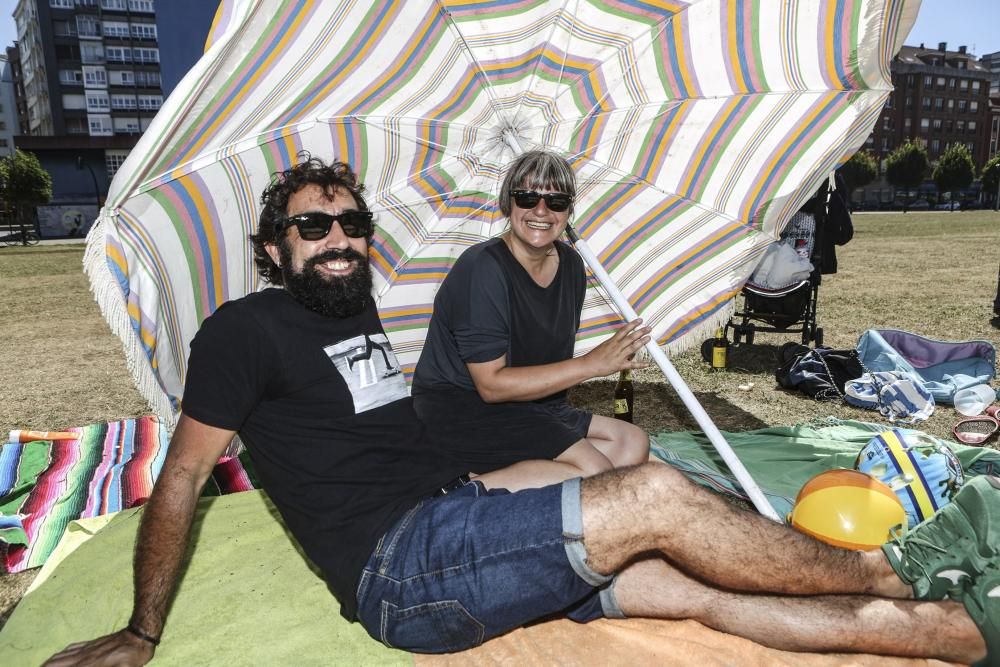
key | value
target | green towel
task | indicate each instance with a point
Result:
(248, 597)
(783, 458)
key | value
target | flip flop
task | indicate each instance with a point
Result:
(977, 430)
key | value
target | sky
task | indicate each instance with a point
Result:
(974, 23)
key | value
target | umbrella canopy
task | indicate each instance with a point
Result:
(696, 130)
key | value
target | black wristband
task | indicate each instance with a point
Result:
(155, 641)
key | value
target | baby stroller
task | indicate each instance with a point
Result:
(821, 223)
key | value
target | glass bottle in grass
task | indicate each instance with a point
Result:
(719, 348)
(624, 396)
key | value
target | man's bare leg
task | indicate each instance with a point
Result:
(827, 623)
(652, 507)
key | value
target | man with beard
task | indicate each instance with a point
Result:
(430, 562)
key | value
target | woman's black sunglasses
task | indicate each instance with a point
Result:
(315, 225)
(556, 201)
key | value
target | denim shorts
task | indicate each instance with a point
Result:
(464, 567)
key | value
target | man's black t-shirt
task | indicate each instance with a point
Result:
(322, 406)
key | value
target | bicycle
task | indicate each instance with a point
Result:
(22, 236)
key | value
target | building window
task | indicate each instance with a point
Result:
(973, 106)
(961, 106)
(141, 6)
(972, 127)
(3, 143)
(92, 53)
(126, 126)
(963, 85)
(150, 102)
(939, 103)
(118, 54)
(928, 81)
(70, 77)
(67, 51)
(951, 83)
(118, 5)
(148, 79)
(951, 105)
(971, 146)
(146, 55)
(935, 146)
(100, 126)
(940, 82)
(95, 77)
(113, 160)
(975, 86)
(925, 102)
(960, 126)
(936, 124)
(116, 29)
(144, 30)
(88, 26)
(76, 126)
(925, 124)
(64, 29)
(97, 102)
(948, 125)
(909, 101)
(61, 4)
(123, 102)
(122, 78)
(906, 124)
(74, 102)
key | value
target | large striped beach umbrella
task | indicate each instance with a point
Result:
(696, 129)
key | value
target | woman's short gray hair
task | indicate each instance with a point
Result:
(536, 170)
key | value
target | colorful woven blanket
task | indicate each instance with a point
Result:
(45, 484)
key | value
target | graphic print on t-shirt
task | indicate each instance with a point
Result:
(370, 370)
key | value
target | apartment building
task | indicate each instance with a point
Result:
(90, 78)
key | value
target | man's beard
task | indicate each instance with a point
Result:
(330, 296)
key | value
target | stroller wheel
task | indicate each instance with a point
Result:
(818, 336)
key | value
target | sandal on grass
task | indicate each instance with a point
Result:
(977, 430)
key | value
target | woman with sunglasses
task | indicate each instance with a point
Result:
(491, 382)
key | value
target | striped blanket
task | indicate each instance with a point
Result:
(45, 484)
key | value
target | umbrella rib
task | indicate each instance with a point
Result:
(473, 61)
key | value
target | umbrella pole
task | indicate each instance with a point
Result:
(697, 411)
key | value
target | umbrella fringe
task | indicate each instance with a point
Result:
(705, 329)
(109, 298)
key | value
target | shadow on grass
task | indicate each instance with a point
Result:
(658, 408)
(761, 358)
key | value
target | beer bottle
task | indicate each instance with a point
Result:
(624, 396)
(719, 346)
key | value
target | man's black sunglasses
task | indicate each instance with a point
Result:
(315, 225)
(556, 201)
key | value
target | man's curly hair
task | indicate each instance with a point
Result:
(309, 171)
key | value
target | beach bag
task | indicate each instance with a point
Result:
(820, 373)
(942, 367)
(898, 396)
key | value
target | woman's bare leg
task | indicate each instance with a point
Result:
(581, 459)
(624, 444)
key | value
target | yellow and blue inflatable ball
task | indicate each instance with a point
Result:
(848, 509)
(923, 471)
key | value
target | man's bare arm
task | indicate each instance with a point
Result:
(160, 547)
